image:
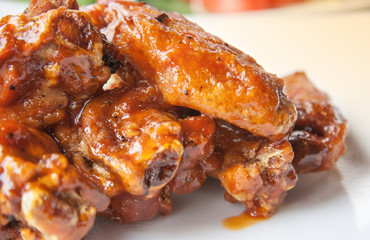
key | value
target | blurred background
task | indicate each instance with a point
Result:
(219, 6)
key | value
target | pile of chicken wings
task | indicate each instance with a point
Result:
(110, 109)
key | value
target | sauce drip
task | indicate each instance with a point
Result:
(241, 221)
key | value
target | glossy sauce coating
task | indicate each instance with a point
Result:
(198, 140)
(140, 140)
(48, 61)
(195, 69)
(125, 141)
(319, 135)
(127, 208)
(133, 138)
(241, 221)
(40, 189)
(254, 171)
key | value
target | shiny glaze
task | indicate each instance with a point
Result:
(241, 221)
(195, 69)
(132, 140)
(40, 189)
(253, 170)
(127, 133)
(127, 208)
(50, 63)
(46, 61)
(319, 135)
(197, 138)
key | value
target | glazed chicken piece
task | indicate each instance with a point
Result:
(198, 140)
(125, 141)
(195, 69)
(126, 208)
(41, 194)
(9, 229)
(36, 7)
(51, 61)
(252, 170)
(319, 135)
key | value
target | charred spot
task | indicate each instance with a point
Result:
(189, 37)
(112, 63)
(10, 135)
(12, 87)
(186, 92)
(60, 106)
(162, 18)
(109, 51)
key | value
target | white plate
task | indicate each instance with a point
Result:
(333, 48)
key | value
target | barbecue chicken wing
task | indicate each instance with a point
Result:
(319, 135)
(49, 62)
(253, 171)
(41, 194)
(126, 141)
(198, 140)
(195, 69)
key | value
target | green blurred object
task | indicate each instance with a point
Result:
(165, 5)
(169, 5)
(85, 2)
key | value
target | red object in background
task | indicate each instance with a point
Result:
(244, 5)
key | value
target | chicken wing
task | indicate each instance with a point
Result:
(318, 138)
(40, 190)
(253, 171)
(198, 140)
(49, 61)
(131, 143)
(195, 69)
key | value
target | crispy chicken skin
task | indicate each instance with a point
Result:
(253, 171)
(48, 63)
(127, 142)
(195, 69)
(130, 147)
(319, 135)
(40, 189)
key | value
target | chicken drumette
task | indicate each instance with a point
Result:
(195, 69)
(251, 169)
(319, 135)
(40, 192)
(50, 63)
